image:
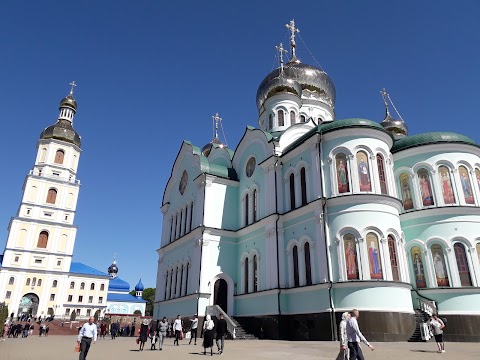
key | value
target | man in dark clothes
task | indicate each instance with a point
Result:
(221, 332)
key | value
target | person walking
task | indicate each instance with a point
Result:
(162, 331)
(221, 333)
(193, 329)
(437, 326)
(354, 336)
(143, 334)
(208, 326)
(344, 353)
(177, 327)
(87, 333)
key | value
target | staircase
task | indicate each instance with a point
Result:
(420, 317)
(237, 328)
(243, 331)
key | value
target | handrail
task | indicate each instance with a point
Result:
(215, 310)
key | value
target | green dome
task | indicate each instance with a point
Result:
(431, 138)
(349, 123)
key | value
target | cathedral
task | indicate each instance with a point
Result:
(310, 216)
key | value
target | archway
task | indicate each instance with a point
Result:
(220, 294)
(28, 305)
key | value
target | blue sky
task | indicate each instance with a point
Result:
(151, 74)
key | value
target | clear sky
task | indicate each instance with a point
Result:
(152, 73)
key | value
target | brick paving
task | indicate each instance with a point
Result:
(62, 348)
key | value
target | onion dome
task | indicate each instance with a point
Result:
(139, 286)
(62, 130)
(69, 101)
(113, 269)
(294, 78)
(397, 128)
(208, 147)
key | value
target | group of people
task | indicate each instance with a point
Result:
(14, 329)
(116, 329)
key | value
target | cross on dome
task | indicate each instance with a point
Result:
(73, 85)
(217, 119)
(281, 50)
(385, 101)
(293, 30)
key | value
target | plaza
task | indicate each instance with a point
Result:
(62, 348)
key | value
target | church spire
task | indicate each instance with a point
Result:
(68, 106)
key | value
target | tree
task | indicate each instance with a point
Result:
(149, 295)
(73, 316)
(97, 315)
(137, 312)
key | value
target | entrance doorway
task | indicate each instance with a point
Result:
(28, 305)
(220, 294)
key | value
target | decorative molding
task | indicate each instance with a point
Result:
(454, 171)
(473, 250)
(449, 250)
(360, 240)
(337, 241)
(330, 160)
(383, 240)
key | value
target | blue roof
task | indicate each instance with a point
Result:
(124, 298)
(118, 284)
(80, 268)
(139, 286)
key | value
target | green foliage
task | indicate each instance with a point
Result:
(73, 316)
(149, 295)
(133, 292)
(137, 312)
(50, 311)
(96, 316)
(3, 315)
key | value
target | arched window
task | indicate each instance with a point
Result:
(303, 118)
(246, 209)
(186, 278)
(351, 261)
(172, 229)
(406, 190)
(39, 282)
(82, 286)
(296, 276)
(92, 286)
(28, 282)
(59, 155)
(477, 176)
(308, 265)
(374, 258)
(255, 273)
(43, 155)
(245, 288)
(425, 187)
(72, 285)
(171, 283)
(446, 185)
(181, 281)
(462, 265)
(54, 284)
(466, 186)
(303, 186)
(363, 172)
(392, 249)
(166, 285)
(418, 268)
(439, 265)
(281, 118)
(381, 174)
(342, 173)
(51, 196)
(42, 240)
(102, 287)
(176, 283)
(319, 120)
(34, 281)
(292, 117)
(255, 205)
(11, 281)
(292, 191)
(270, 122)
(191, 216)
(182, 222)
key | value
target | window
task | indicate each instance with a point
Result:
(59, 155)
(462, 265)
(191, 215)
(270, 122)
(166, 285)
(34, 281)
(55, 283)
(351, 263)
(308, 265)
(342, 173)
(39, 283)
(392, 249)
(48, 214)
(245, 290)
(255, 273)
(181, 281)
(11, 281)
(439, 265)
(406, 190)
(66, 217)
(446, 185)
(70, 298)
(381, 174)
(186, 278)
(281, 118)
(292, 191)
(255, 205)
(72, 285)
(51, 196)
(425, 187)
(303, 186)
(8, 294)
(82, 286)
(466, 186)
(171, 282)
(296, 276)
(176, 283)
(67, 312)
(100, 299)
(55, 173)
(374, 258)
(28, 282)
(80, 298)
(42, 241)
(89, 311)
(102, 287)
(59, 263)
(90, 299)
(16, 259)
(78, 312)
(43, 155)
(303, 118)
(246, 209)
(52, 297)
(363, 172)
(292, 117)
(28, 211)
(319, 120)
(92, 286)
(181, 230)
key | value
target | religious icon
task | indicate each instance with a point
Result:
(251, 163)
(342, 173)
(418, 270)
(406, 191)
(477, 175)
(439, 265)
(183, 182)
(374, 257)
(363, 173)
(447, 189)
(425, 188)
(350, 257)
(478, 251)
(466, 187)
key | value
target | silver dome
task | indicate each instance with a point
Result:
(396, 127)
(208, 147)
(307, 76)
(69, 101)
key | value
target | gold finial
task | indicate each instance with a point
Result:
(293, 30)
(216, 119)
(280, 50)
(73, 85)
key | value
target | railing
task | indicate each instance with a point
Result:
(215, 310)
(56, 177)
(428, 307)
(425, 331)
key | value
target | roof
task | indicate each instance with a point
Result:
(118, 284)
(431, 138)
(124, 298)
(80, 268)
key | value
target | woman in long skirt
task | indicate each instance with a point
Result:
(344, 353)
(143, 334)
(208, 326)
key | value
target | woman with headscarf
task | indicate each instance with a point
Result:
(208, 326)
(344, 353)
(142, 337)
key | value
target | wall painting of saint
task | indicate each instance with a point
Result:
(466, 187)
(342, 173)
(446, 182)
(439, 265)
(418, 270)
(374, 256)
(478, 251)
(407, 198)
(477, 175)
(425, 188)
(350, 256)
(363, 172)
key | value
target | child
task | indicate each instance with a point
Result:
(153, 339)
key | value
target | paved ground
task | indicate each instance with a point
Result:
(62, 348)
